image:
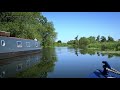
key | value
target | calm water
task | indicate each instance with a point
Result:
(59, 62)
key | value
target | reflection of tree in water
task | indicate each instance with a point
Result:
(83, 52)
(70, 49)
(116, 54)
(76, 51)
(110, 55)
(98, 53)
(103, 54)
(87, 51)
(41, 69)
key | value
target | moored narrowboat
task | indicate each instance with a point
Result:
(12, 46)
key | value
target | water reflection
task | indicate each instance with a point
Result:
(91, 52)
(72, 49)
(41, 69)
(109, 55)
(36, 65)
(76, 51)
(57, 62)
(98, 53)
(13, 65)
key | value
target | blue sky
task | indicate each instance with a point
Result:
(70, 24)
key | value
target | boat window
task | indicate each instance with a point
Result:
(36, 44)
(19, 44)
(28, 44)
(2, 42)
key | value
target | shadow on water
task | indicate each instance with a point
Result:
(30, 66)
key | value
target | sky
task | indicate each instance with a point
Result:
(84, 24)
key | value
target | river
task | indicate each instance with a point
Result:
(58, 62)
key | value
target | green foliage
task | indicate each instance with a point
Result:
(60, 44)
(118, 46)
(40, 70)
(103, 47)
(110, 39)
(103, 39)
(95, 45)
(29, 25)
(92, 39)
(59, 41)
(109, 46)
(71, 42)
(91, 43)
(98, 38)
(83, 42)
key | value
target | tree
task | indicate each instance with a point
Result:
(48, 34)
(103, 47)
(92, 39)
(110, 39)
(83, 42)
(76, 38)
(103, 39)
(70, 42)
(118, 46)
(118, 40)
(76, 42)
(59, 41)
(98, 38)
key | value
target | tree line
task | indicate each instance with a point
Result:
(28, 25)
(99, 42)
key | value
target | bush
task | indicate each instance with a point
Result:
(103, 47)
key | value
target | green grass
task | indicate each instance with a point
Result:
(109, 52)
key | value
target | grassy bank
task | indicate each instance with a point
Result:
(111, 52)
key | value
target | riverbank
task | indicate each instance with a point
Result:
(110, 52)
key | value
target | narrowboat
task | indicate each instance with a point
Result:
(12, 46)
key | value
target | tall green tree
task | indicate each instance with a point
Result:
(76, 42)
(110, 39)
(92, 39)
(98, 38)
(59, 41)
(103, 39)
(28, 25)
(71, 42)
(83, 42)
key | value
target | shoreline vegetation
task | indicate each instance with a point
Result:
(99, 44)
(110, 52)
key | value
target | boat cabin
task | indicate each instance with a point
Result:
(3, 33)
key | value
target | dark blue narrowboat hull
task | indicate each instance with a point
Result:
(11, 47)
(19, 53)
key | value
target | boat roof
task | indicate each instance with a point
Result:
(16, 38)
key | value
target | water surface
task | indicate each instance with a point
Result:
(58, 62)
